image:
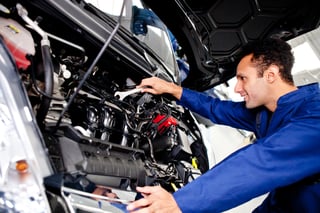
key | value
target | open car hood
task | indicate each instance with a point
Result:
(212, 32)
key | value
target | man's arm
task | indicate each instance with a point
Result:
(227, 113)
(159, 86)
(282, 159)
(279, 160)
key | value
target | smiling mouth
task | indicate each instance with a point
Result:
(245, 97)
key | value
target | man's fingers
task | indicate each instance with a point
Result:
(147, 82)
(143, 202)
(143, 210)
(148, 90)
(138, 204)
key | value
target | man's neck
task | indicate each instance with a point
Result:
(278, 92)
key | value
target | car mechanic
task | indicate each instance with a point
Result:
(284, 161)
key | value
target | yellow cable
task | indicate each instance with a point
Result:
(174, 187)
(194, 162)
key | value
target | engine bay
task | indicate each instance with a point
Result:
(72, 77)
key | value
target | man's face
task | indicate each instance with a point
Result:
(249, 85)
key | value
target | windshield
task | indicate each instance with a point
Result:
(143, 24)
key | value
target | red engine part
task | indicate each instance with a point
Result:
(164, 123)
(18, 40)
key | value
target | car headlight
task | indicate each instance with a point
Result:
(23, 161)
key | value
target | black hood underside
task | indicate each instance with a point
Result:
(212, 32)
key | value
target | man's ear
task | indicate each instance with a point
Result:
(272, 73)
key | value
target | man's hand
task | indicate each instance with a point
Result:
(159, 86)
(155, 200)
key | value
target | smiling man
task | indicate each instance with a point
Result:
(285, 159)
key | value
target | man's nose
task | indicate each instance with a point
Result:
(238, 87)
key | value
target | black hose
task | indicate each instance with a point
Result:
(34, 82)
(48, 80)
(90, 69)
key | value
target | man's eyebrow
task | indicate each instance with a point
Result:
(240, 75)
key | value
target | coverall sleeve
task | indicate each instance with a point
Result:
(233, 114)
(278, 160)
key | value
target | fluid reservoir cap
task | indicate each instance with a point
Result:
(18, 40)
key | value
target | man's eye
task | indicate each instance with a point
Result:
(240, 78)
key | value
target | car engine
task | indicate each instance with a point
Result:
(72, 83)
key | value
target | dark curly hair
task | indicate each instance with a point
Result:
(272, 51)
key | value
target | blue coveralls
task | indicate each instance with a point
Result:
(287, 151)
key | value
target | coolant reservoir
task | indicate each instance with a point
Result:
(18, 40)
